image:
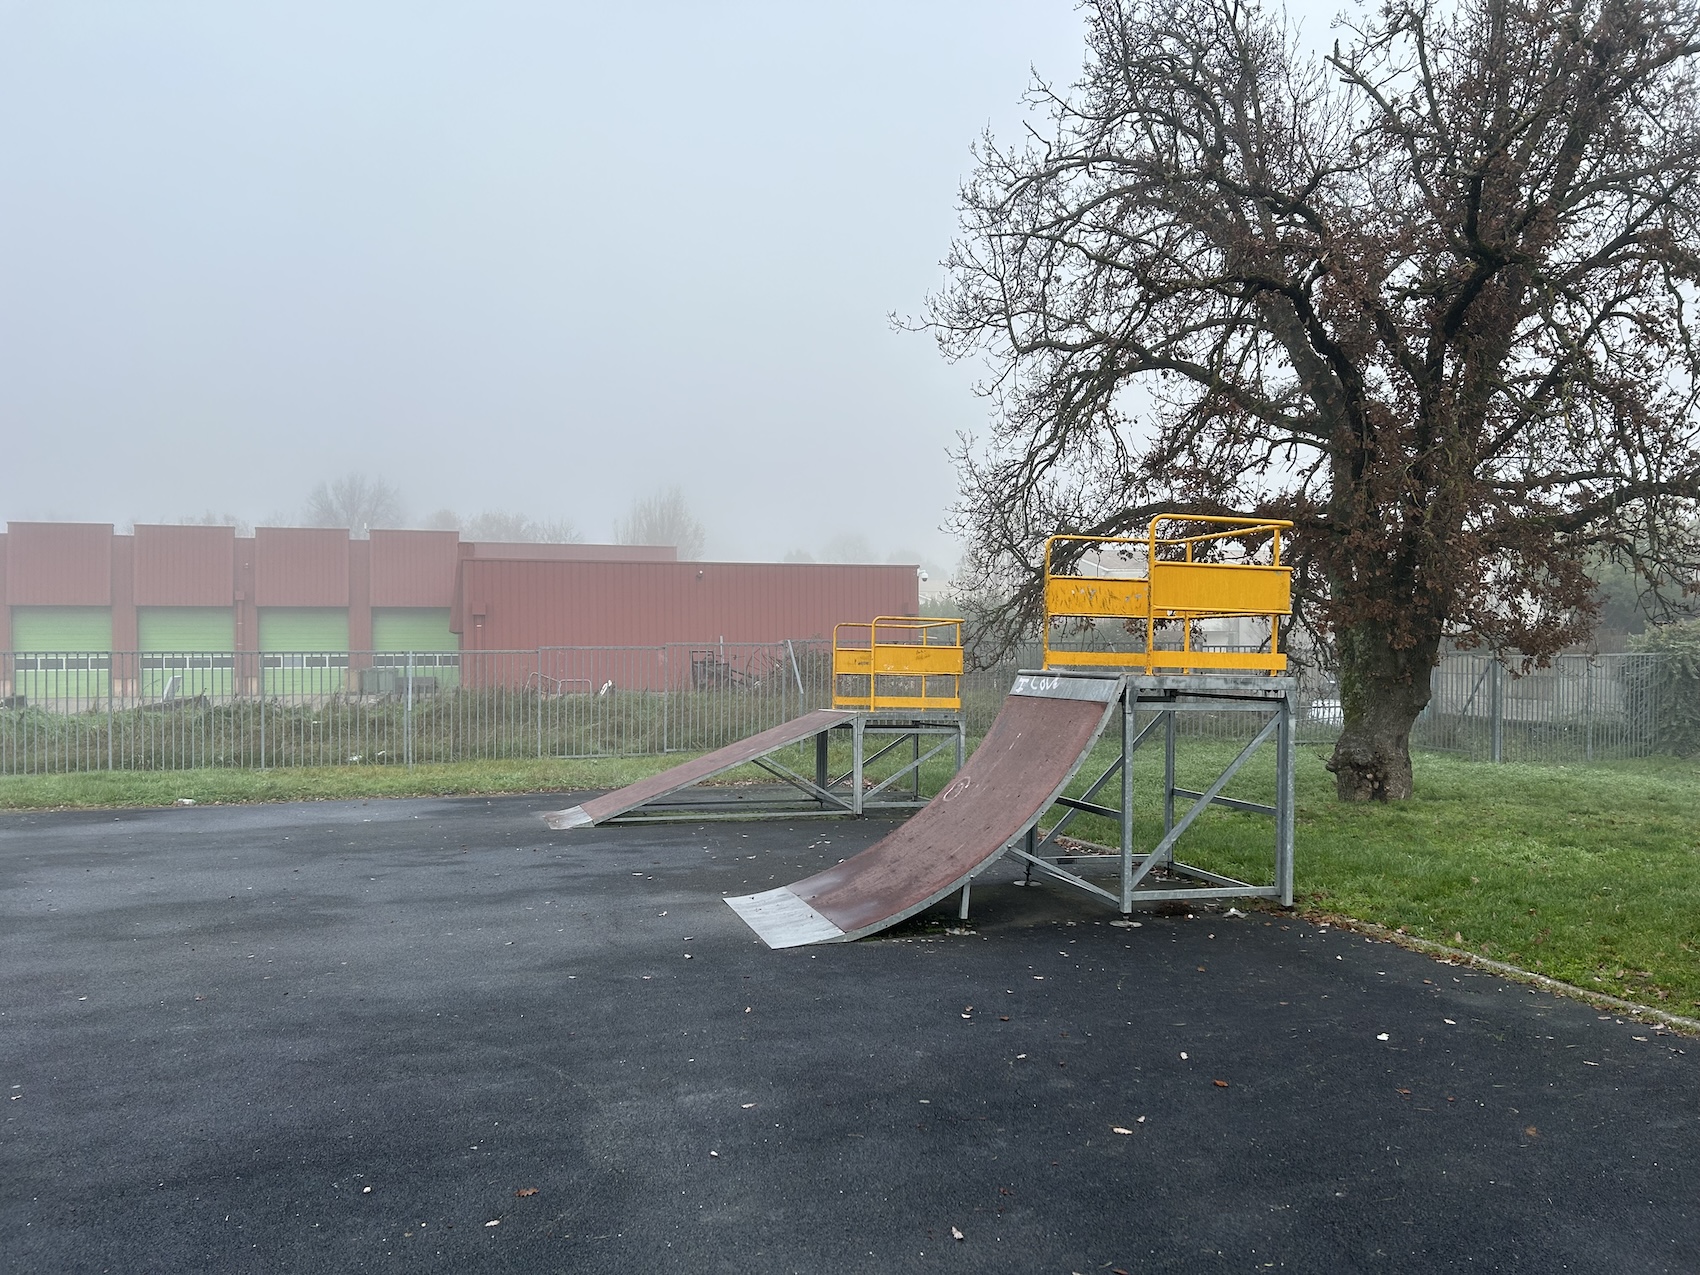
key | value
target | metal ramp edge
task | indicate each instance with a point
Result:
(1012, 751)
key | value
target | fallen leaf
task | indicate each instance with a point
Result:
(1116, 1128)
(494, 1222)
(525, 1191)
(748, 1105)
(1220, 1084)
(1532, 1131)
(1405, 1092)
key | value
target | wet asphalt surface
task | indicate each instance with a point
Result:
(431, 1035)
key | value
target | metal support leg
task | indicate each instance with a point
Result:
(962, 911)
(856, 724)
(1284, 755)
(1168, 771)
(823, 775)
(1127, 800)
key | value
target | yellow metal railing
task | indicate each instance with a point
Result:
(898, 662)
(1176, 587)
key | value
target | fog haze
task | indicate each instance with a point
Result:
(540, 258)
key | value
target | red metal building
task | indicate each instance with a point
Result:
(80, 586)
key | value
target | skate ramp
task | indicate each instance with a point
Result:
(1046, 729)
(622, 800)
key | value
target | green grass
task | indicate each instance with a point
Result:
(1587, 874)
(319, 783)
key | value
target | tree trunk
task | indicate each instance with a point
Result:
(1382, 689)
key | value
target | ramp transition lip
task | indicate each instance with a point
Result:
(784, 920)
(1042, 736)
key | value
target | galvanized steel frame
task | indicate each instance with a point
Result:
(1166, 696)
(847, 795)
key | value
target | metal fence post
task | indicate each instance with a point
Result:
(1588, 709)
(1496, 701)
(407, 716)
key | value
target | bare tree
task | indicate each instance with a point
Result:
(1427, 296)
(847, 546)
(662, 519)
(213, 519)
(521, 528)
(354, 501)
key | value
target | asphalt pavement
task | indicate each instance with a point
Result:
(433, 1036)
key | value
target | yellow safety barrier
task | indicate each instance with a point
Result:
(1174, 587)
(926, 653)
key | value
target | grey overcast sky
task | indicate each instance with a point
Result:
(533, 257)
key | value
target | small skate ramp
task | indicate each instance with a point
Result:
(622, 800)
(1044, 733)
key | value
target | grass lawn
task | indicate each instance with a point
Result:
(1588, 874)
(320, 783)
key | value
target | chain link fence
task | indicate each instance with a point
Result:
(77, 711)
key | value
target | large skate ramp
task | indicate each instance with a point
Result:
(622, 800)
(1047, 727)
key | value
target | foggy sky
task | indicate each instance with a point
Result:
(543, 258)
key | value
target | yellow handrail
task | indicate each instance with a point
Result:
(1175, 586)
(924, 650)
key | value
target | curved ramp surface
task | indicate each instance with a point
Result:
(622, 800)
(1047, 727)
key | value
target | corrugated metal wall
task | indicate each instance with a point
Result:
(184, 566)
(521, 606)
(538, 596)
(413, 568)
(301, 567)
(59, 564)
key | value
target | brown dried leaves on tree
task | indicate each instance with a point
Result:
(1428, 296)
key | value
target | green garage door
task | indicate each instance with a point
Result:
(423, 631)
(192, 644)
(304, 649)
(63, 653)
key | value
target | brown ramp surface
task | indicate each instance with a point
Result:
(1047, 727)
(603, 808)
